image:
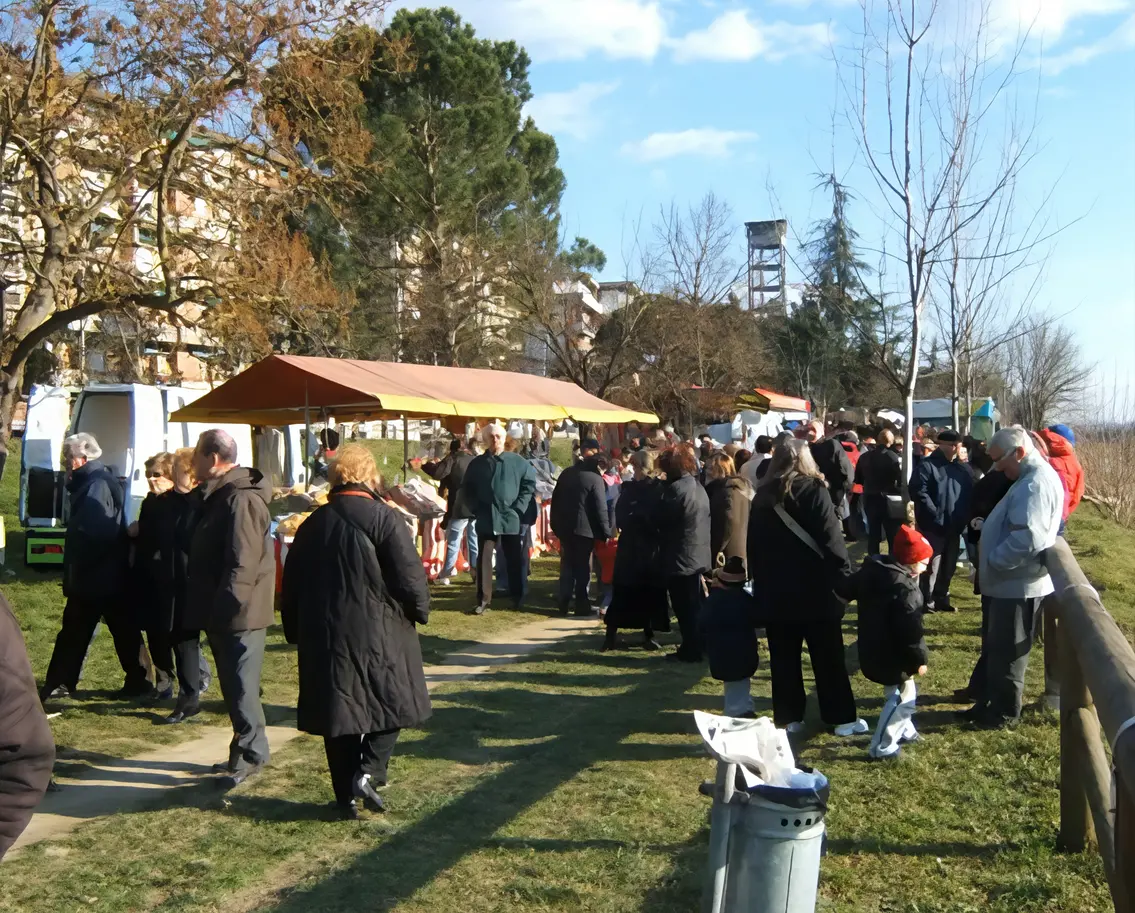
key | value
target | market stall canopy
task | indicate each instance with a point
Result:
(276, 390)
(762, 400)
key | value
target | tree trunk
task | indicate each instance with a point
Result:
(954, 395)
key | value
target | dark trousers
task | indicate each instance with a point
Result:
(825, 647)
(935, 581)
(349, 756)
(575, 572)
(160, 643)
(511, 548)
(879, 524)
(1008, 638)
(192, 667)
(685, 599)
(239, 656)
(81, 617)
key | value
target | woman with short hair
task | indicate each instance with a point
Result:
(798, 562)
(729, 497)
(685, 547)
(354, 590)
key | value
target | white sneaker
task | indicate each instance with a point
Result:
(443, 581)
(857, 728)
(794, 728)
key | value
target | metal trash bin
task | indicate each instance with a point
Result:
(764, 847)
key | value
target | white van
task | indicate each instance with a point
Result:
(131, 423)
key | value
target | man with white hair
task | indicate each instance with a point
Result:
(232, 583)
(499, 488)
(94, 575)
(1013, 576)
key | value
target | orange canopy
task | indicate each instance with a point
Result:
(763, 400)
(276, 390)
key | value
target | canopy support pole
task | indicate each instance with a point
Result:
(405, 450)
(307, 462)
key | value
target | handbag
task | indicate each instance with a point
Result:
(896, 509)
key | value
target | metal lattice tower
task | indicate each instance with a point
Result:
(766, 274)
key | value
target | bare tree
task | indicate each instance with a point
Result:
(1046, 372)
(114, 127)
(943, 107)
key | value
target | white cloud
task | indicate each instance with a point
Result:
(733, 36)
(1122, 39)
(705, 142)
(569, 113)
(1048, 19)
(564, 29)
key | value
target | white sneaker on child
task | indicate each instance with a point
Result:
(857, 728)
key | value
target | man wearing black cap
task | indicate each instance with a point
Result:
(940, 491)
(579, 517)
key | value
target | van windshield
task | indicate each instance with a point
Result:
(107, 417)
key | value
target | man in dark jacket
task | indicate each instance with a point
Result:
(499, 488)
(879, 471)
(232, 574)
(833, 462)
(451, 479)
(579, 518)
(27, 749)
(941, 489)
(94, 576)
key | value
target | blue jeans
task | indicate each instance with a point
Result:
(453, 535)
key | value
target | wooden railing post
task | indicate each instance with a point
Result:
(1076, 715)
(1050, 615)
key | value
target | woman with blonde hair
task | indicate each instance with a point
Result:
(729, 497)
(798, 563)
(638, 598)
(354, 589)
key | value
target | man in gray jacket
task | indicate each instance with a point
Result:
(232, 573)
(1014, 538)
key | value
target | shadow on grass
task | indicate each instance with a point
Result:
(552, 738)
(849, 847)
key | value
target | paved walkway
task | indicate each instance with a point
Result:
(127, 784)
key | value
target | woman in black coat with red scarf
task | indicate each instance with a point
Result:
(354, 590)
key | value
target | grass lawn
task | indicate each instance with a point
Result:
(569, 782)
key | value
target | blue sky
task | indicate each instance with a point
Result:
(660, 101)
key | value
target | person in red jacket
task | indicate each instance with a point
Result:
(1061, 444)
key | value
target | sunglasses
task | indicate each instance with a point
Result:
(154, 475)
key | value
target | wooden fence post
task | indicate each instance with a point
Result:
(1076, 715)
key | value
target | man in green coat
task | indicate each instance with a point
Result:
(499, 488)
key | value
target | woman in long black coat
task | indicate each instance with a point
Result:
(165, 530)
(354, 588)
(685, 557)
(638, 598)
(798, 563)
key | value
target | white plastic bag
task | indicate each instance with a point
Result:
(761, 750)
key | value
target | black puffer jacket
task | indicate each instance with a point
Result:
(728, 624)
(879, 471)
(161, 557)
(27, 749)
(232, 563)
(891, 643)
(95, 552)
(354, 589)
(684, 521)
(451, 478)
(579, 502)
(791, 583)
(835, 464)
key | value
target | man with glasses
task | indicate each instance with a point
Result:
(1013, 576)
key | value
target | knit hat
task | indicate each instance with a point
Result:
(1065, 432)
(911, 546)
(948, 436)
(733, 572)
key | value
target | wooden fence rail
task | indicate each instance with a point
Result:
(1096, 667)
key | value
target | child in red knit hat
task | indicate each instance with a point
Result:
(891, 645)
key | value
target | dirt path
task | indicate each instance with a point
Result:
(128, 784)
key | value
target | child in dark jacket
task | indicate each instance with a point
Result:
(728, 626)
(891, 645)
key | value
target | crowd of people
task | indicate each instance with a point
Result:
(732, 544)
